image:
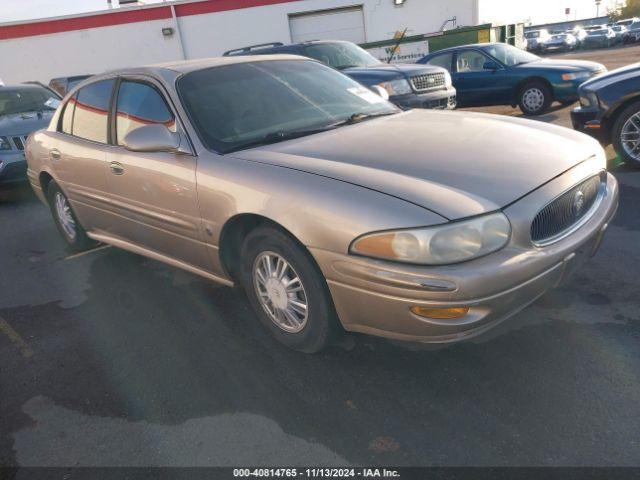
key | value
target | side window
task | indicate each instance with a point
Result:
(67, 116)
(470, 61)
(140, 104)
(443, 61)
(91, 118)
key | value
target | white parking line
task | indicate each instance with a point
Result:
(82, 254)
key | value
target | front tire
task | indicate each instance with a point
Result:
(287, 291)
(534, 98)
(626, 134)
(66, 220)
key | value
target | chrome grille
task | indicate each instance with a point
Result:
(566, 211)
(19, 142)
(428, 81)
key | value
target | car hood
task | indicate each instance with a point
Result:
(564, 65)
(457, 164)
(24, 123)
(628, 71)
(391, 71)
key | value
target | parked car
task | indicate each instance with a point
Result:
(23, 109)
(63, 84)
(563, 42)
(580, 34)
(627, 22)
(610, 111)
(499, 74)
(600, 37)
(621, 33)
(633, 33)
(537, 40)
(408, 85)
(277, 173)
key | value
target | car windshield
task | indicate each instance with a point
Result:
(532, 34)
(598, 33)
(31, 99)
(510, 55)
(242, 105)
(341, 55)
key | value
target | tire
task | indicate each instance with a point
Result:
(623, 125)
(70, 229)
(313, 331)
(534, 94)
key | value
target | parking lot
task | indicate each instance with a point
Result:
(111, 359)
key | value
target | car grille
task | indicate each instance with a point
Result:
(19, 141)
(566, 211)
(428, 81)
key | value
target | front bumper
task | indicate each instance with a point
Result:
(13, 170)
(440, 99)
(374, 297)
(587, 120)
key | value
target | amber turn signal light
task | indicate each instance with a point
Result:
(440, 313)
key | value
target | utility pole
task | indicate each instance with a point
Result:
(598, 2)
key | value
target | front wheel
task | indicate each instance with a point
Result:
(66, 221)
(287, 291)
(535, 98)
(626, 134)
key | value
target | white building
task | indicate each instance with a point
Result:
(99, 41)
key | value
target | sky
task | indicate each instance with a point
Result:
(537, 11)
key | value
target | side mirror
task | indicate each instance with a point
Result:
(152, 138)
(490, 65)
(380, 91)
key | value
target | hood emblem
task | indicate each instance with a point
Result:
(578, 203)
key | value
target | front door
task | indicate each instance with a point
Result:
(477, 81)
(153, 192)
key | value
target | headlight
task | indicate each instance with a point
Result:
(4, 143)
(588, 99)
(397, 87)
(575, 76)
(440, 245)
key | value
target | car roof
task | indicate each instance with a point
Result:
(22, 86)
(471, 45)
(277, 47)
(185, 66)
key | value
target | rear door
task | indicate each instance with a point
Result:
(78, 153)
(154, 193)
(476, 84)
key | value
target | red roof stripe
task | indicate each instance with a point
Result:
(124, 16)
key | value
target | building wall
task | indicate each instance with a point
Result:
(96, 43)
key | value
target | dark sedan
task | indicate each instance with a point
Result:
(610, 111)
(500, 74)
(23, 110)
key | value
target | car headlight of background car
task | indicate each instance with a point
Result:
(397, 87)
(439, 245)
(575, 76)
(588, 99)
(4, 143)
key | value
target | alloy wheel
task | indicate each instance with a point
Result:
(630, 136)
(280, 292)
(65, 217)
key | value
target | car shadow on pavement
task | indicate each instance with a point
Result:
(154, 344)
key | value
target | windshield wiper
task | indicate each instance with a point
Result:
(279, 136)
(283, 135)
(360, 117)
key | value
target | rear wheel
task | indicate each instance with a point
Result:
(66, 221)
(626, 134)
(287, 291)
(535, 98)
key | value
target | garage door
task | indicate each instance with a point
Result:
(336, 24)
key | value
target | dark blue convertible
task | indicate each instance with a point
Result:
(500, 74)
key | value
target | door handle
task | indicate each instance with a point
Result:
(117, 168)
(55, 154)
